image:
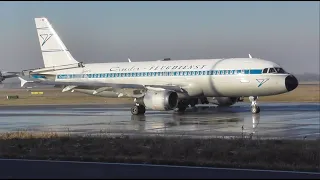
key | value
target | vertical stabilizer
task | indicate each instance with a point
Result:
(54, 52)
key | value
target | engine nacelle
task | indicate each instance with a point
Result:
(161, 100)
(224, 101)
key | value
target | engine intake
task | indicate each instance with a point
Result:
(159, 100)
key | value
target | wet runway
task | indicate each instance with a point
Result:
(276, 120)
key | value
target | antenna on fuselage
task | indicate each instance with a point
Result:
(250, 56)
(129, 60)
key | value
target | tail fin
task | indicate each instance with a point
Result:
(54, 52)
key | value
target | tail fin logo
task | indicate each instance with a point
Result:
(45, 38)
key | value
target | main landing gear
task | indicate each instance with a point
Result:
(138, 109)
(182, 106)
(255, 109)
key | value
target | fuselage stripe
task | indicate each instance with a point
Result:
(157, 74)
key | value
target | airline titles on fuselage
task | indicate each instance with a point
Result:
(155, 68)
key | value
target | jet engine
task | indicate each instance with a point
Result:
(224, 101)
(161, 100)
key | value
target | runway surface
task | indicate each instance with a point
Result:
(276, 120)
(63, 169)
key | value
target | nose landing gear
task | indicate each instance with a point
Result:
(255, 109)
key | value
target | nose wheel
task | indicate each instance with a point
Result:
(255, 109)
(138, 109)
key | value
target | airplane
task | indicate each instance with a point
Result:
(5, 75)
(162, 85)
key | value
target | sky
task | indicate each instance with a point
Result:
(283, 32)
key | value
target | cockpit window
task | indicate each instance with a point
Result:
(275, 70)
(272, 70)
(280, 70)
(265, 70)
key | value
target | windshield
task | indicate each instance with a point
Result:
(272, 70)
(280, 70)
(276, 70)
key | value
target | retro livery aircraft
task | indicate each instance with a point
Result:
(5, 75)
(160, 85)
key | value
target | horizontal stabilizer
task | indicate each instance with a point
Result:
(24, 82)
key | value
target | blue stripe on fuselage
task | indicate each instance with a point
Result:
(156, 74)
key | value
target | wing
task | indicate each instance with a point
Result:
(127, 90)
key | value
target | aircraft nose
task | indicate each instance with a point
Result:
(291, 82)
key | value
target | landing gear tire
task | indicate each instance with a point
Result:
(182, 109)
(135, 110)
(182, 106)
(193, 102)
(255, 109)
(142, 109)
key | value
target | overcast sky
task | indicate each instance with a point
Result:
(284, 32)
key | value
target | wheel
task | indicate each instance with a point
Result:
(193, 102)
(182, 108)
(141, 109)
(255, 109)
(135, 110)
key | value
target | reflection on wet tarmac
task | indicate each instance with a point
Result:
(275, 120)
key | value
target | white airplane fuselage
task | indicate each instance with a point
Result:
(200, 77)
